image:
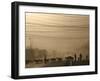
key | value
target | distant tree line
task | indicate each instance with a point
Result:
(39, 56)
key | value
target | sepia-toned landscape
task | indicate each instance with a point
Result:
(53, 40)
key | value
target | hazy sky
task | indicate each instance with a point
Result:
(61, 32)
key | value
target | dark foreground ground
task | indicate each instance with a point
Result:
(56, 64)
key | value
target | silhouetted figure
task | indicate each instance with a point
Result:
(75, 59)
(80, 57)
